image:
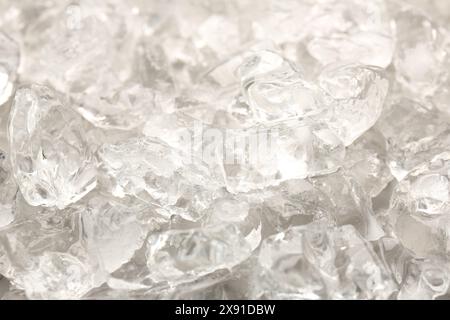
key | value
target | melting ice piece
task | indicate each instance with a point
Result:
(358, 93)
(421, 53)
(319, 262)
(178, 256)
(420, 208)
(148, 167)
(273, 152)
(366, 160)
(275, 89)
(414, 135)
(9, 63)
(8, 190)
(51, 160)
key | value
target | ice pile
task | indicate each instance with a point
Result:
(222, 149)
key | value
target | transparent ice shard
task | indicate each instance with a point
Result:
(71, 44)
(369, 48)
(366, 160)
(58, 275)
(335, 199)
(318, 262)
(419, 208)
(236, 210)
(152, 66)
(41, 254)
(112, 230)
(184, 258)
(414, 135)
(358, 93)
(272, 152)
(112, 106)
(274, 88)
(184, 255)
(155, 172)
(421, 52)
(417, 278)
(351, 205)
(85, 50)
(350, 31)
(425, 280)
(9, 64)
(293, 203)
(52, 163)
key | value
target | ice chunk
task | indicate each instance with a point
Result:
(425, 280)
(277, 151)
(420, 206)
(421, 52)
(52, 162)
(351, 31)
(112, 106)
(184, 255)
(274, 88)
(358, 94)
(351, 205)
(112, 230)
(163, 176)
(58, 275)
(414, 135)
(317, 262)
(41, 254)
(366, 160)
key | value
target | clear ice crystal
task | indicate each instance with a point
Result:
(422, 50)
(39, 251)
(414, 134)
(53, 165)
(183, 255)
(351, 31)
(317, 262)
(366, 159)
(419, 208)
(124, 108)
(221, 149)
(58, 275)
(160, 175)
(358, 93)
(113, 231)
(274, 88)
(351, 205)
(270, 153)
